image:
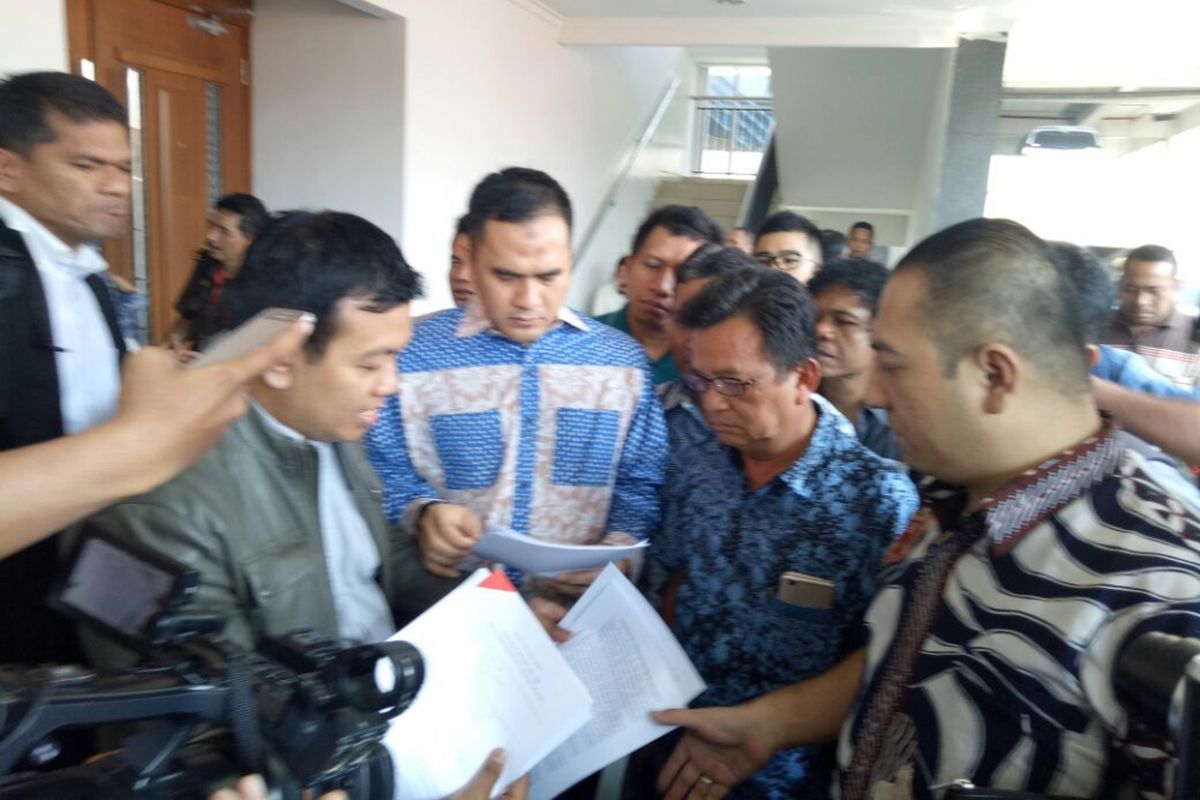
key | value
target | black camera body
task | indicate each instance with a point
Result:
(300, 709)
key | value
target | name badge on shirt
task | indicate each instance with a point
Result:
(806, 591)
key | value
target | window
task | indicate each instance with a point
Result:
(734, 118)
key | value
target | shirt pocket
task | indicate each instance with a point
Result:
(808, 639)
(283, 581)
(469, 447)
(585, 444)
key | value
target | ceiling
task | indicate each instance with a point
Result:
(762, 8)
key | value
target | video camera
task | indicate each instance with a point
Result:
(301, 710)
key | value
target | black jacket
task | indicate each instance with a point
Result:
(30, 413)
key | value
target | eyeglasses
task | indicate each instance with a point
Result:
(787, 261)
(730, 387)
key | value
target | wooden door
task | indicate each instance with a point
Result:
(182, 70)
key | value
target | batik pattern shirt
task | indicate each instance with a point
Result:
(562, 439)
(831, 515)
(995, 633)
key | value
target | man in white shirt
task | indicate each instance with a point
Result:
(64, 186)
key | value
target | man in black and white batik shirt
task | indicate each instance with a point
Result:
(1042, 547)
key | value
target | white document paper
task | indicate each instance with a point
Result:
(547, 558)
(631, 665)
(493, 678)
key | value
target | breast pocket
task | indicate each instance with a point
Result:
(469, 447)
(585, 444)
(809, 638)
(284, 581)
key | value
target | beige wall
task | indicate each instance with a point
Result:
(33, 35)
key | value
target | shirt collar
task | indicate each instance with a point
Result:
(46, 248)
(475, 322)
(1024, 502)
(807, 469)
(275, 425)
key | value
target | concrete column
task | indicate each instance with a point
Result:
(971, 126)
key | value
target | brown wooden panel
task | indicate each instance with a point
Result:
(176, 185)
(176, 62)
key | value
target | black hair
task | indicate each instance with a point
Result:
(992, 280)
(835, 244)
(791, 222)
(774, 302)
(710, 260)
(687, 221)
(462, 225)
(1152, 252)
(515, 194)
(864, 278)
(252, 214)
(1091, 282)
(25, 100)
(862, 224)
(309, 261)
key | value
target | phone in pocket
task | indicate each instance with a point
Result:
(806, 591)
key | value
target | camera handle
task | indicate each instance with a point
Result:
(63, 697)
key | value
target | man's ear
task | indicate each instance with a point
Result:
(1001, 372)
(808, 378)
(281, 376)
(622, 267)
(12, 166)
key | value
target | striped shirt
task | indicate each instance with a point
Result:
(994, 634)
(562, 439)
(1170, 347)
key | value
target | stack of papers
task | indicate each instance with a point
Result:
(528, 554)
(493, 678)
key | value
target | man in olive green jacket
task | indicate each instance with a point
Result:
(283, 518)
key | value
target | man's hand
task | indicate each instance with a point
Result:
(178, 414)
(721, 748)
(252, 787)
(480, 787)
(447, 534)
(550, 613)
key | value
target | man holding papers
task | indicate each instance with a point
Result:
(516, 412)
(775, 517)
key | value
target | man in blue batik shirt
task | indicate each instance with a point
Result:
(777, 489)
(515, 411)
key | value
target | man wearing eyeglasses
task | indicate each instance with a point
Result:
(775, 532)
(790, 243)
(1148, 321)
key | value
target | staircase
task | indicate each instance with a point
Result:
(721, 198)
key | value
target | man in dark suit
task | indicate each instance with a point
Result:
(64, 186)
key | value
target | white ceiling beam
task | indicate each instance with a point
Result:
(934, 30)
(384, 9)
(754, 31)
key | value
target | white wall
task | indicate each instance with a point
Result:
(488, 87)
(33, 35)
(327, 89)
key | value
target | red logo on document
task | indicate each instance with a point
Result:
(499, 581)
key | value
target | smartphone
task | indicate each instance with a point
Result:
(798, 589)
(257, 331)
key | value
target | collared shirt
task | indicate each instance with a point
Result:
(875, 433)
(86, 359)
(562, 439)
(994, 634)
(1168, 347)
(831, 515)
(351, 555)
(664, 368)
(1127, 368)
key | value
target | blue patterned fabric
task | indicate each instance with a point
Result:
(995, 634)
(563, 439)
(1132, 371)
(831, 515)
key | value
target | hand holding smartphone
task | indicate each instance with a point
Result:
(257, 331)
